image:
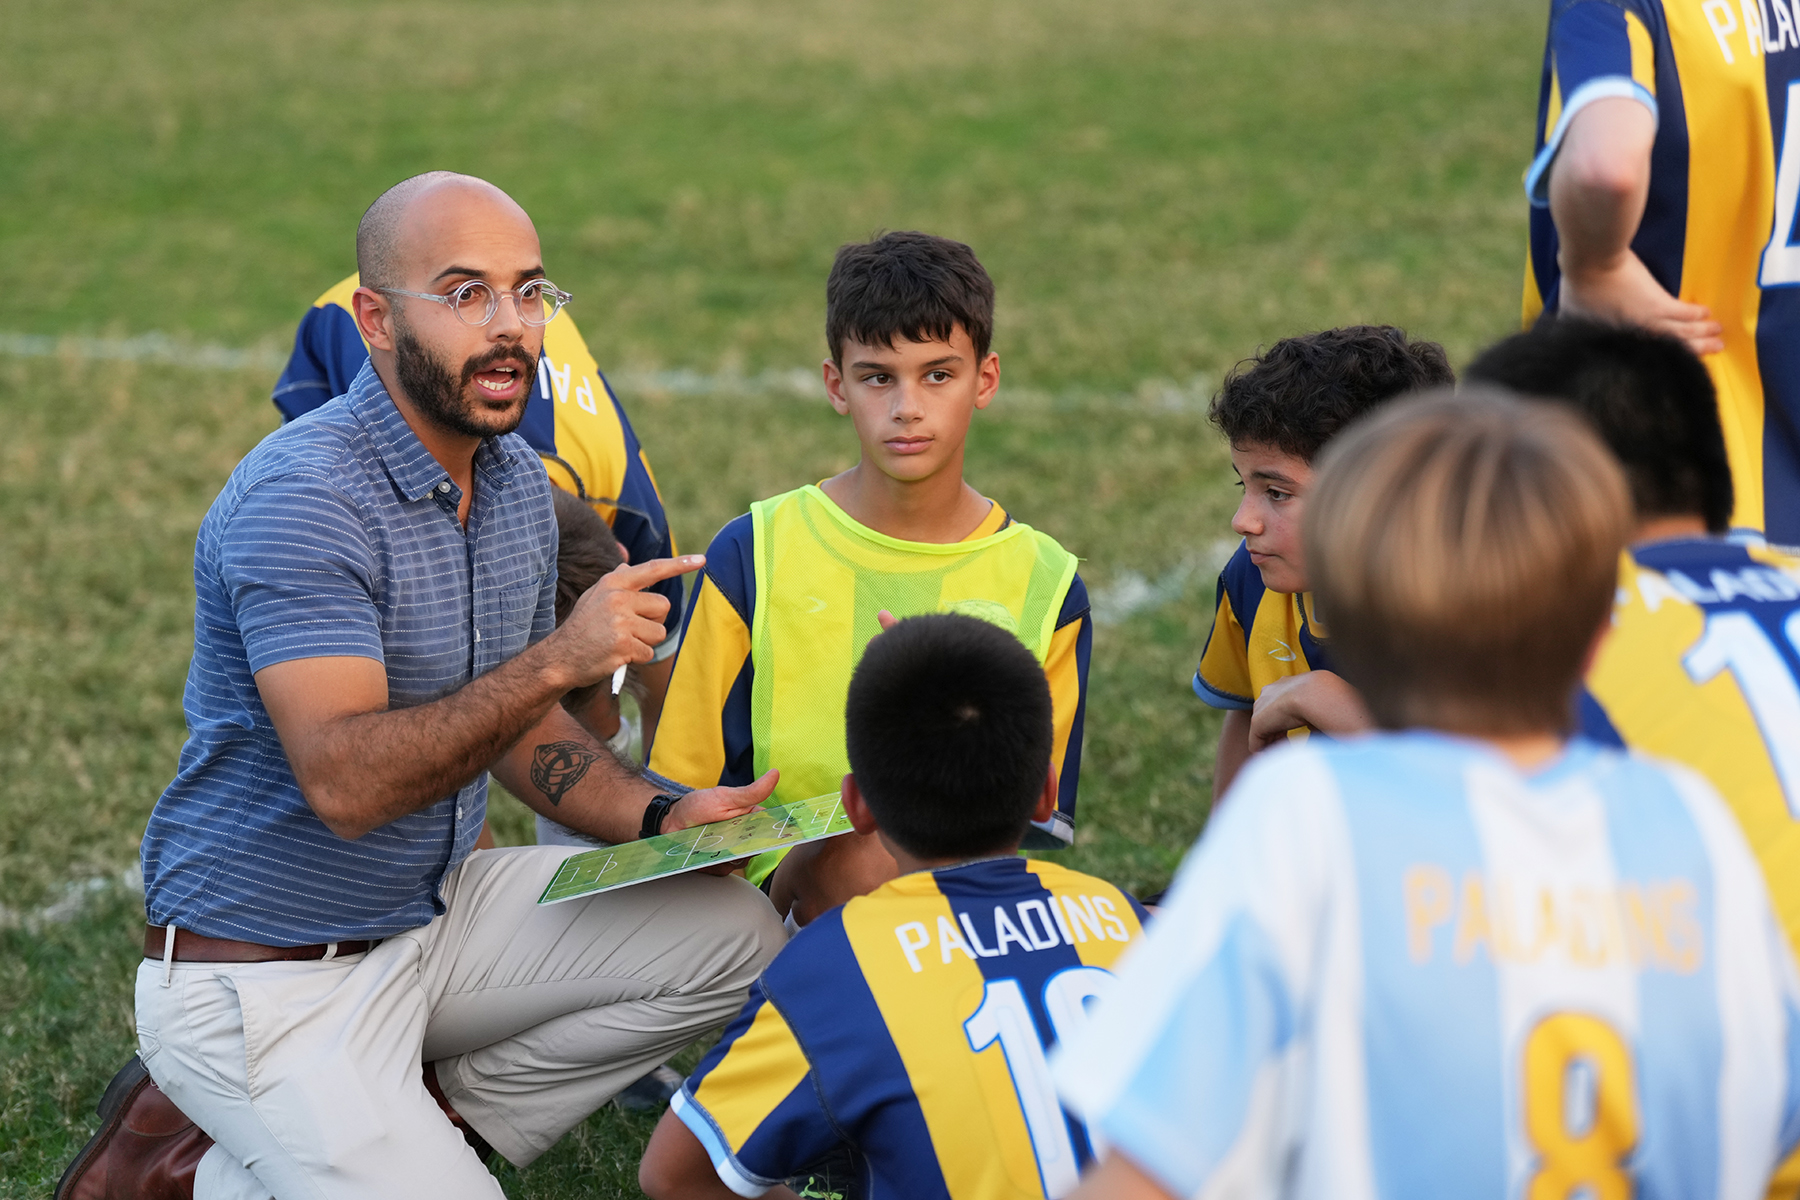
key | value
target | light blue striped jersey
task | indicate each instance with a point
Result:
(1398, 967)
(337, 536)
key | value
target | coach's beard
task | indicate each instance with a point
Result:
(445, 400)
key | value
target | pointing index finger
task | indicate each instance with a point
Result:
(636, 578)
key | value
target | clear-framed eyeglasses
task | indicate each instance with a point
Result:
(475, 302)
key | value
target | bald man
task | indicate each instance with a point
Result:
(339, 996)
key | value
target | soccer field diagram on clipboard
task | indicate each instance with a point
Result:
(770, 827)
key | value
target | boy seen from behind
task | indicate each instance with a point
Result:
(793, 590)
(1464, 955)
(911, 1025)
(1703, 662)
(1266, 661)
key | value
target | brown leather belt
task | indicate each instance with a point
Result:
(194, 947)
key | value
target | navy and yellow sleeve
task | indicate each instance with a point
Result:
(1066, 667)
(704, 736)
(1597, 49)
(328, 352)
(1223, 676)
(639, 521)
(752, 1103)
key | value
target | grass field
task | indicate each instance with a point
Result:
(1157, 187)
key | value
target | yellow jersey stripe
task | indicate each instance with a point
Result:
(764, 1065)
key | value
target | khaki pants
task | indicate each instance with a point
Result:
(307, 1074)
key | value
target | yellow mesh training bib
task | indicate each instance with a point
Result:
(821, 580)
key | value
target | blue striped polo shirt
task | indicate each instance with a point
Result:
(337, 535)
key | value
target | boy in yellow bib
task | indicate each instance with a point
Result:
(794, 589)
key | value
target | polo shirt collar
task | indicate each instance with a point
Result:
(408, 463)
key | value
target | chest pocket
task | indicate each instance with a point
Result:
(518, 605)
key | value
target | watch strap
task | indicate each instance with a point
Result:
(654, 814)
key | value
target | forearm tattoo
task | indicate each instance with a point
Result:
(556, 767)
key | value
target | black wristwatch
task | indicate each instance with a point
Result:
(654, 814)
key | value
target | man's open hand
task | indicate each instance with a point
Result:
(616, 622)
(719, 803)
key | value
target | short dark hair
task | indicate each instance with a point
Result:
(585, 550)
(1299, 392)
(915, 286)
(948, 726)
(1648, 395)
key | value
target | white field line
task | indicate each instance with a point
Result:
(799, 382)
(75, 898)
(145, 348)
(1130, 593)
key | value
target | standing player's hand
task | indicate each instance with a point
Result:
(1318, 699)
(616, 622)
(1624, 292)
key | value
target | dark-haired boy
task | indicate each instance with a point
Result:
(1703, 662)
(793, 589)
(911, 1025)
(1265, 662)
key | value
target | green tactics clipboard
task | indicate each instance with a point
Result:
(771, 827)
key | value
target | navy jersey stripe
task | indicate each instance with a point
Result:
(994, 904)
(1593, 723)
(1244, 584)
(1661, 239)
(863, 1083)
(1778, 354)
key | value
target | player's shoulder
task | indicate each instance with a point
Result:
(1064, 881)
(563, 341)
(337, 296)
(1076, 603)
(584, 397)
(731, 564)
(818, 956)
(1710, 570)
(1668, 802)
(1395, 773)
(1241, 583)
(1055, 875)
(1611, 12)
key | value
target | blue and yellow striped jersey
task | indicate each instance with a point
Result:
(573, 420)
(912, 1025)
(1719, 226)
(1258, 636)
(1703, 667)
(705, 738)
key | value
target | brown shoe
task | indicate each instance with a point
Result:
(145, 1149)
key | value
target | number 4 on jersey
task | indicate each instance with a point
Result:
(1781, 259)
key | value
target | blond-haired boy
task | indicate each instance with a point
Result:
(1463, 955)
